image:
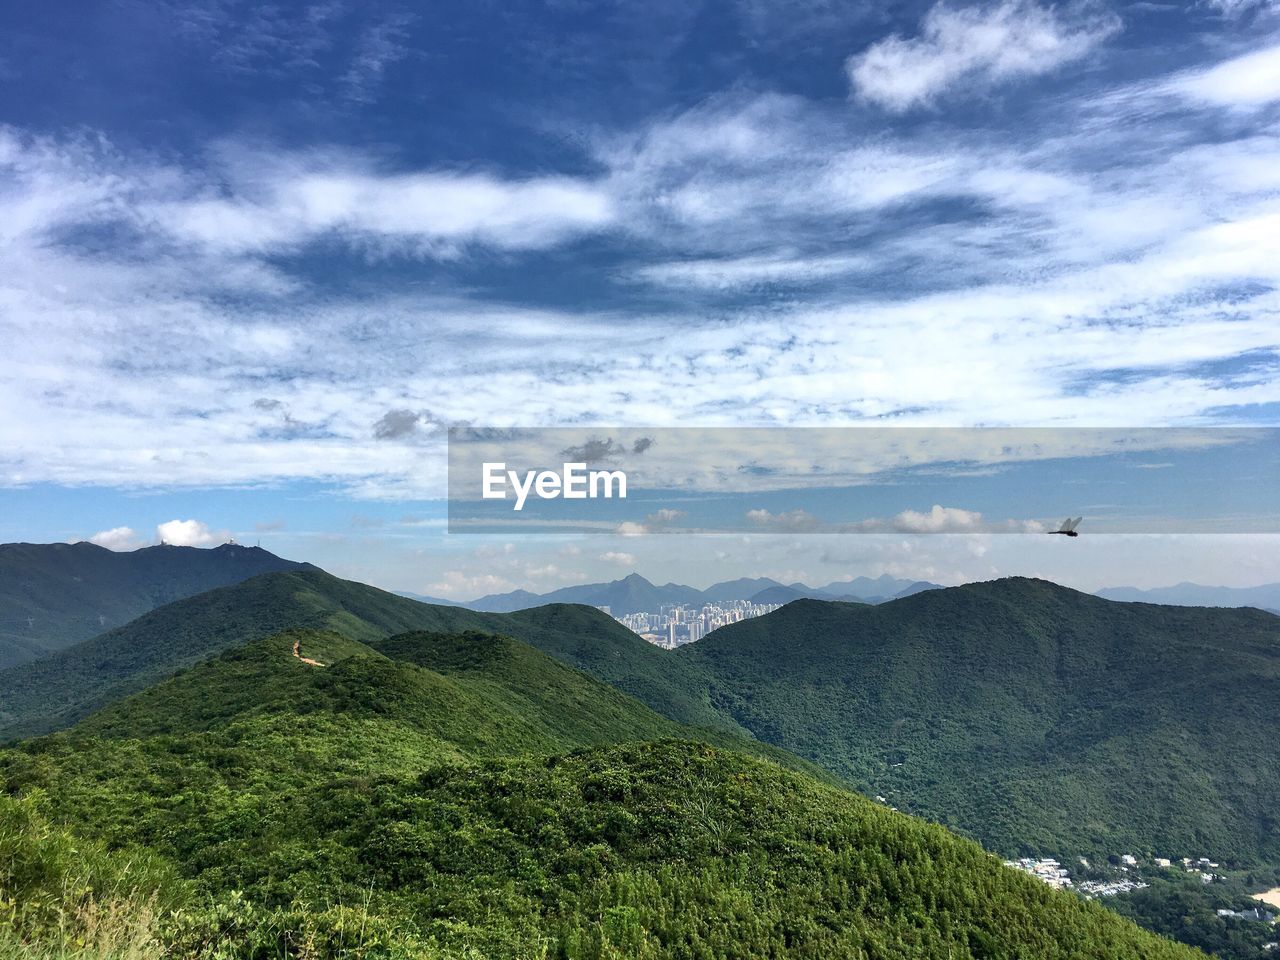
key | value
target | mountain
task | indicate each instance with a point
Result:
(447, 695)
(424, 598)
(635, 594)
(503, 602)
(743, 588)
(868, 588)
(441, 796)
(63, 687)
(872, 590)
(1265, 597)
(785, 594)
(1033, 717)
(53, 595)
(919, 586)
(631, 594)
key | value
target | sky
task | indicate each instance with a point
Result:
(256, 259)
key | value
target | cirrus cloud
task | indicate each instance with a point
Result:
(975, 47)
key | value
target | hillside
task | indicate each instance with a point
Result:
(430, 696)
(379, 807)
(782, 594)
(53, 595)
(59, 689)
(1033, 717)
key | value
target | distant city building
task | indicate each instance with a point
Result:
(674, 625)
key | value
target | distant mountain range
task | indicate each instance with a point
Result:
(1265, 597)
(635, 594)
(53, 595)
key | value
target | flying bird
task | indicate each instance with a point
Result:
(1068, 528)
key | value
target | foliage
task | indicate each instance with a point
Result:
(466, 796)
(1037, 719)
(56, 691)
(60, 891)
(1178, 905)
(1031, 717)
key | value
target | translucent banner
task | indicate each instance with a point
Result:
(1061, 481)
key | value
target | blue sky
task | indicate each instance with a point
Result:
(254, 258)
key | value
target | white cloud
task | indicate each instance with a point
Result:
(623, 559)
(1236, 8)
(938, 520)
(1249, 80)
(249, 201)
(190, 533)
(378, 48)
(975, 47)
(468, 585)
(664, 516)
(1110, 240)
(739, 272)
(433, 214)
(118, 538)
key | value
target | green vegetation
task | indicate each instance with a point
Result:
(58, 690)
(1039, 720)
(1180, 906)
(429, 795)
(64, 897)
(1036, 719)
(54, 595)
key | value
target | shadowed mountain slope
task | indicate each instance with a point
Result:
(1032, 716)
(53, 595)
(57, 690)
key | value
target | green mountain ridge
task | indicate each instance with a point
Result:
(54, 595)
(59, 689)
(1034, 717)
(412, 798)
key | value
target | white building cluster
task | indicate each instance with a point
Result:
(1050, 871)
(1125, 879)
(674, 625)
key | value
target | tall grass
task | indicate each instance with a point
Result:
(63, 899)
